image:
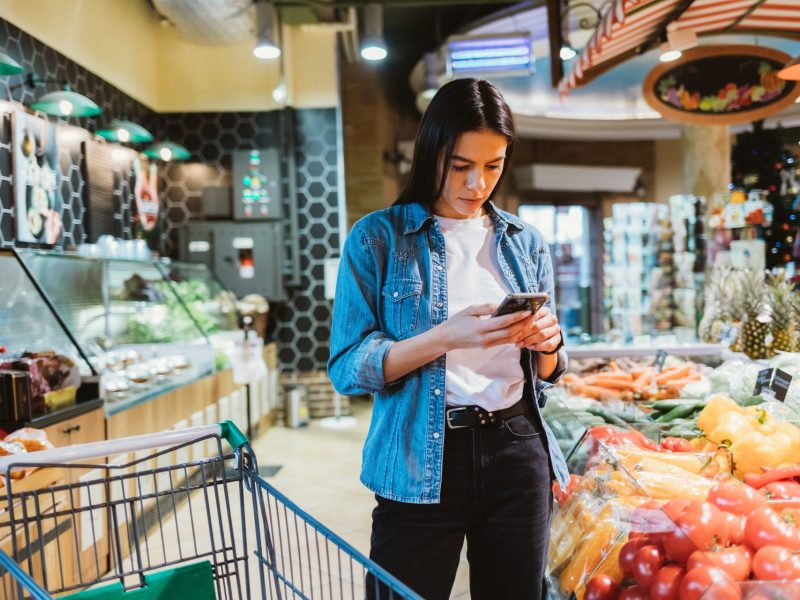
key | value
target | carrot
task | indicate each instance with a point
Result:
(658, 395)
(759, 480)
(609, 383)
(614, 367)
(672, 374)
(619, 376)
(642, 380)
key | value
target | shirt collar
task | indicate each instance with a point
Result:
(417, 214)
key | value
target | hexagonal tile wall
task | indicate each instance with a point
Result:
(304, 323)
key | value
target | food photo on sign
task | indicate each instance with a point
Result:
(36, 180)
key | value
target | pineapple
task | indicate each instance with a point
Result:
(755, 324)
(784, 324)
(718, 295)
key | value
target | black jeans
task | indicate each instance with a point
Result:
(496, 492)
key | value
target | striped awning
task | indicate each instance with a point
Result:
(630, 27)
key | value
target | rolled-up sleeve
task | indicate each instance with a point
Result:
(358, 347)
(547, 285)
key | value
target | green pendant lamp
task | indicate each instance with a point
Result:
(125, 132)
(8, 66)
(66, 103)
(167, 151)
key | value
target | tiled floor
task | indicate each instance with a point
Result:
(320, 472)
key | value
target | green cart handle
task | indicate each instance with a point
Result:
(232, 434)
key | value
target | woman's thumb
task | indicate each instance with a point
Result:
(481, 309)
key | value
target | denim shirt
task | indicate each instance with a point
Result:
(392, 285)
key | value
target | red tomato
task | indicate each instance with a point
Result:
(773, 563)
(627, 553)
(633, 593)
(674, 508)
(736, 525)
(676, 444)
(601, 587)
(667, 583)
(736, 498)
(561, 496)
(647, 562)
(708, 583)
(767, 527)
(734, 560)
(781, 490)
(678, 546)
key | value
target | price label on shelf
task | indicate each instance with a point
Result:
(780, 384)
(762, 381)
(661, 358)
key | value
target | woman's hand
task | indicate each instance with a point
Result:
(467, 328)
(542, 332)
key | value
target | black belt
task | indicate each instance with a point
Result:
(459, 417)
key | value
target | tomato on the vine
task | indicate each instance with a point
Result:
(709, 582)
(601, 587)
(774, 563)
(781, 490)
(768, 527)
(627, 553)
(736, 498)
(736, 525)
(736, 561)
(700, 526)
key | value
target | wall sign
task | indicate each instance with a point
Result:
(37, 194)
(721, 85)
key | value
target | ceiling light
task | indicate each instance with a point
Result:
(267, 47)
(791, 71)
(497, 55)
(167, 151)
(126, 132)
(567, 52)
(66, 103)
(373, 47)
(668, 54)
(280, 93)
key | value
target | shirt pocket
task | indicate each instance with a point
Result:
(401, 298)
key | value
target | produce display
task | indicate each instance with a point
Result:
(695, 495)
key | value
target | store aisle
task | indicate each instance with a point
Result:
(319, 471)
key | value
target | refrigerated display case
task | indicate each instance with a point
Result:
(128, 319)
(35, 341)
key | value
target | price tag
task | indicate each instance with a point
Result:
(780, 384)
(762, 381)
(661, 358)
(772, 384)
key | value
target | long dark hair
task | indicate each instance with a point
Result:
(459, 106)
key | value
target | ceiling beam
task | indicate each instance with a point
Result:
(555, 37)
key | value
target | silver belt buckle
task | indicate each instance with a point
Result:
(449, 411)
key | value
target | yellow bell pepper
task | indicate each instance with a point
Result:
(757, 450)
(731, 426)
(588, 555)
(716, 407)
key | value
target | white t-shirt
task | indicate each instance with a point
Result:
(489, 377)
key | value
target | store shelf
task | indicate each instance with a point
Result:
(618, 351)
(66, 413)
(153, 391)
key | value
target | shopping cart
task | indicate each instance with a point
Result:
(179, 514)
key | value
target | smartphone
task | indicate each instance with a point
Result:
(515, 302)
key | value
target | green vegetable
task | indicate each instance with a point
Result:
(678, 412)
(608, 417)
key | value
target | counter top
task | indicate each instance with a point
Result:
(150, 392)
(63, 414)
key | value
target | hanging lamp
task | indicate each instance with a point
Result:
(125, 132)
(167, 151)
(8, 66)
(66, 103)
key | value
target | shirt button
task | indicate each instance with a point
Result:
(438, 267)
(439, 305)
(436, 435)
(437, 391)
(395, 295)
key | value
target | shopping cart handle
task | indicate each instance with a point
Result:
(232, 434)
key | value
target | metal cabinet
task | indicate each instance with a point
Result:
(247, 257)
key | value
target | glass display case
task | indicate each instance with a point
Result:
(42, 368)
(127, 317)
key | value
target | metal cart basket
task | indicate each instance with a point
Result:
(179, 514)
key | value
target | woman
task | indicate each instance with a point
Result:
(457, 447)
